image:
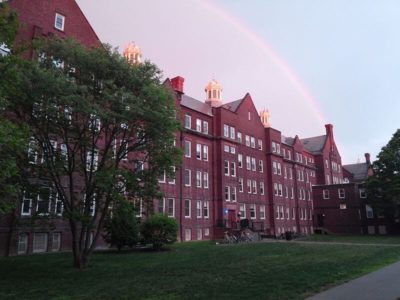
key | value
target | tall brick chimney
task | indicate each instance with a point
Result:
(329, 130)
(367, 158)
(177, 84)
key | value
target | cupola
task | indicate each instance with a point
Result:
(213, 93)
(264, 116)
(133, 53)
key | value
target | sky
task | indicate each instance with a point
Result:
(308, 62)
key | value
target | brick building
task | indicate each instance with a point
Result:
(235, 165)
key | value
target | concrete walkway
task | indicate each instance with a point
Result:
(383, 284)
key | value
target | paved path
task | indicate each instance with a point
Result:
(383, 284)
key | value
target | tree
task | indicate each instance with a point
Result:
(98, 127)
(159, 230)
(121, 226)
(13, 138)
(383, 187)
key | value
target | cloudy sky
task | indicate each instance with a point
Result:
(309, 62)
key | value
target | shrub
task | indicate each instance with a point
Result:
(159, 230)
(121, 227)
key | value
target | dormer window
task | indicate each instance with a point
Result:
(59, 22)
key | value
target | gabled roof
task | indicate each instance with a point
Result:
(314, 144)
(359, 171)
(196, 105)
(234, 105)
(287, 140)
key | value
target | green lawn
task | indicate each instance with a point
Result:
(193, 271)
(357, 239)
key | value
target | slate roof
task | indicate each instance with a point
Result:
(359, 171)
(196, 105)
(233, 106)
(314, 144)
(287, 140)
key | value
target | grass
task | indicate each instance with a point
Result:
(193, 271)
(356, 239)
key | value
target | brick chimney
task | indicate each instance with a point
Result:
(367, 158)
(329, 130)
(177, 84)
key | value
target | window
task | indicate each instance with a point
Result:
(293, 213)
(280, 189)
(198, 151)
(226, 148)
(198, 125)
(248, 186)
(328, 179)
(56, 241)
(279, 169)
(273, 147)
(276, 191)
(342, 206)
(171, 207)
(242, 210)
(58, 206)
(239, 137)
(22, 243)
(171, 180)
(94, 123)
(198, 179)
(285, 172)
(363, 193)
(39, 242)
(252, 211)
(227, 193)
(226, 130)
(59, 22)
(26, 208)
(188, 234)
(232, 131)
(205, 152)
(161, 206)
(205, 180)
(341, 193)
(369, 212)
(226, 168)
(33, 151)
(233, 169)
(262, 212)
(241, 185)
(233, 150)
(198, 209)
(262, 188)
(287, 213)
(43, 201)
(289, 155)
(199, 234)
(248, 165)
(292, 193)
(92, 158)
(188, 121)
(187, 176)
(260, 166)
(260, 143)
(206, 209)
(253, 164)
(252, 142)
(278, 148)
(247, 139)
(274, 167)
(240, 160)
(187, 148)
(206, 231)
(187, 209)
(254, 187)
(249, 115)
(205, 127)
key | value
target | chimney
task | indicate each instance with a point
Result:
(329, 129)
(177, 84)
(367, 158)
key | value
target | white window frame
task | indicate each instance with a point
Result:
(62, 18)
(188, 201)
(173, 207)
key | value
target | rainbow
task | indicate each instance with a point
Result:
(260, 42)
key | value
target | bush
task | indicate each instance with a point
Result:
(122, 226)
(159, 230)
